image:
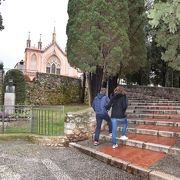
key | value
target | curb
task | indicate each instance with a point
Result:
(145, 174)
(157, 175)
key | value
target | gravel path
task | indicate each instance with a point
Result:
(170, 165)
(21, 160)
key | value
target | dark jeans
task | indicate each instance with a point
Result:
(99, 119)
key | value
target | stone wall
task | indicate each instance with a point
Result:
(50, 89)
(162, 92)
(79, 126)
(1, 86)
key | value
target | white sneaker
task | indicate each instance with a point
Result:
(115, 146)
(110, 134)
(124, 138)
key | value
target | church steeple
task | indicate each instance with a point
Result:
(40, 43)
(28, 41)
(54, 36)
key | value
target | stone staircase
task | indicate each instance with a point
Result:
(154, 124)
(154, 136)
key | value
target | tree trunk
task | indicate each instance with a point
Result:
(112, 83)
(88, 77)
(83, 88)
(94, 83)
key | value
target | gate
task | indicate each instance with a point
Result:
(30, 119)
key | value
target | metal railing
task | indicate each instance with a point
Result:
(48, 120)
(30, 119)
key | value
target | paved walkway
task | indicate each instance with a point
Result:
(21, 160)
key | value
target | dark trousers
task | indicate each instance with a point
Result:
(99, 119)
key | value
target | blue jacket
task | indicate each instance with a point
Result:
(99, 103)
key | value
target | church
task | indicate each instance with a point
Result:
(51, 60)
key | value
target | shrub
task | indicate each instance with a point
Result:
(19, 83)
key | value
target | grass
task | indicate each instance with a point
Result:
(47, 121)
(75, 108)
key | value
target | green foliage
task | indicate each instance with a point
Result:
(1, 65)
(165, 19)
(98, 35)
(1, 21)
(158, 66)
(0, 1)
(108, 35)
(138, 52)
(19, 83)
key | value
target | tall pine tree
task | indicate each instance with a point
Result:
(138, 53)
(98, 38)
(106, 39)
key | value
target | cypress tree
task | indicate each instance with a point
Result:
(98, 39)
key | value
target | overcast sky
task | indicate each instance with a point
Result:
(34, 16)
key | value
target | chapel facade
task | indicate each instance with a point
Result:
(51, 60)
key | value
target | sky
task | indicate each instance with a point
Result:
(34, 16)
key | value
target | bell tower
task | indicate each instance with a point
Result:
(28, 45)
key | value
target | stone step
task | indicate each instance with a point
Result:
(154, 107)
(153, 111)
(145, 98)
(153, 101)
(130, 159)
(162, 122)
(150, 142)
(156, 116)
(154, 132)
(158, 127)
(152, 104)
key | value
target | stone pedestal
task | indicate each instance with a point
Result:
(9, 102)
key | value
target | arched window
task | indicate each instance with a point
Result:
(58, 70)
(53, 65)
(33, 63)
(53, 68)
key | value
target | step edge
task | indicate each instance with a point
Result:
(126, 166)
(147, 145)
(148, 174)
(155, 132)
(161, 123)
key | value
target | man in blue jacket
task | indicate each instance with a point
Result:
(99, 105)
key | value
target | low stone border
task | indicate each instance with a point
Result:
(144, 174)
(54, 141)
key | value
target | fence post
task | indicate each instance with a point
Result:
(31, 119)
(3, 113)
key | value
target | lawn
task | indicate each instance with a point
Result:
(45, 121)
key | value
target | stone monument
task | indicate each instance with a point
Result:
(9, 98)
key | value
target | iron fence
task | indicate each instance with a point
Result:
(30, 119)
(48, 120)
